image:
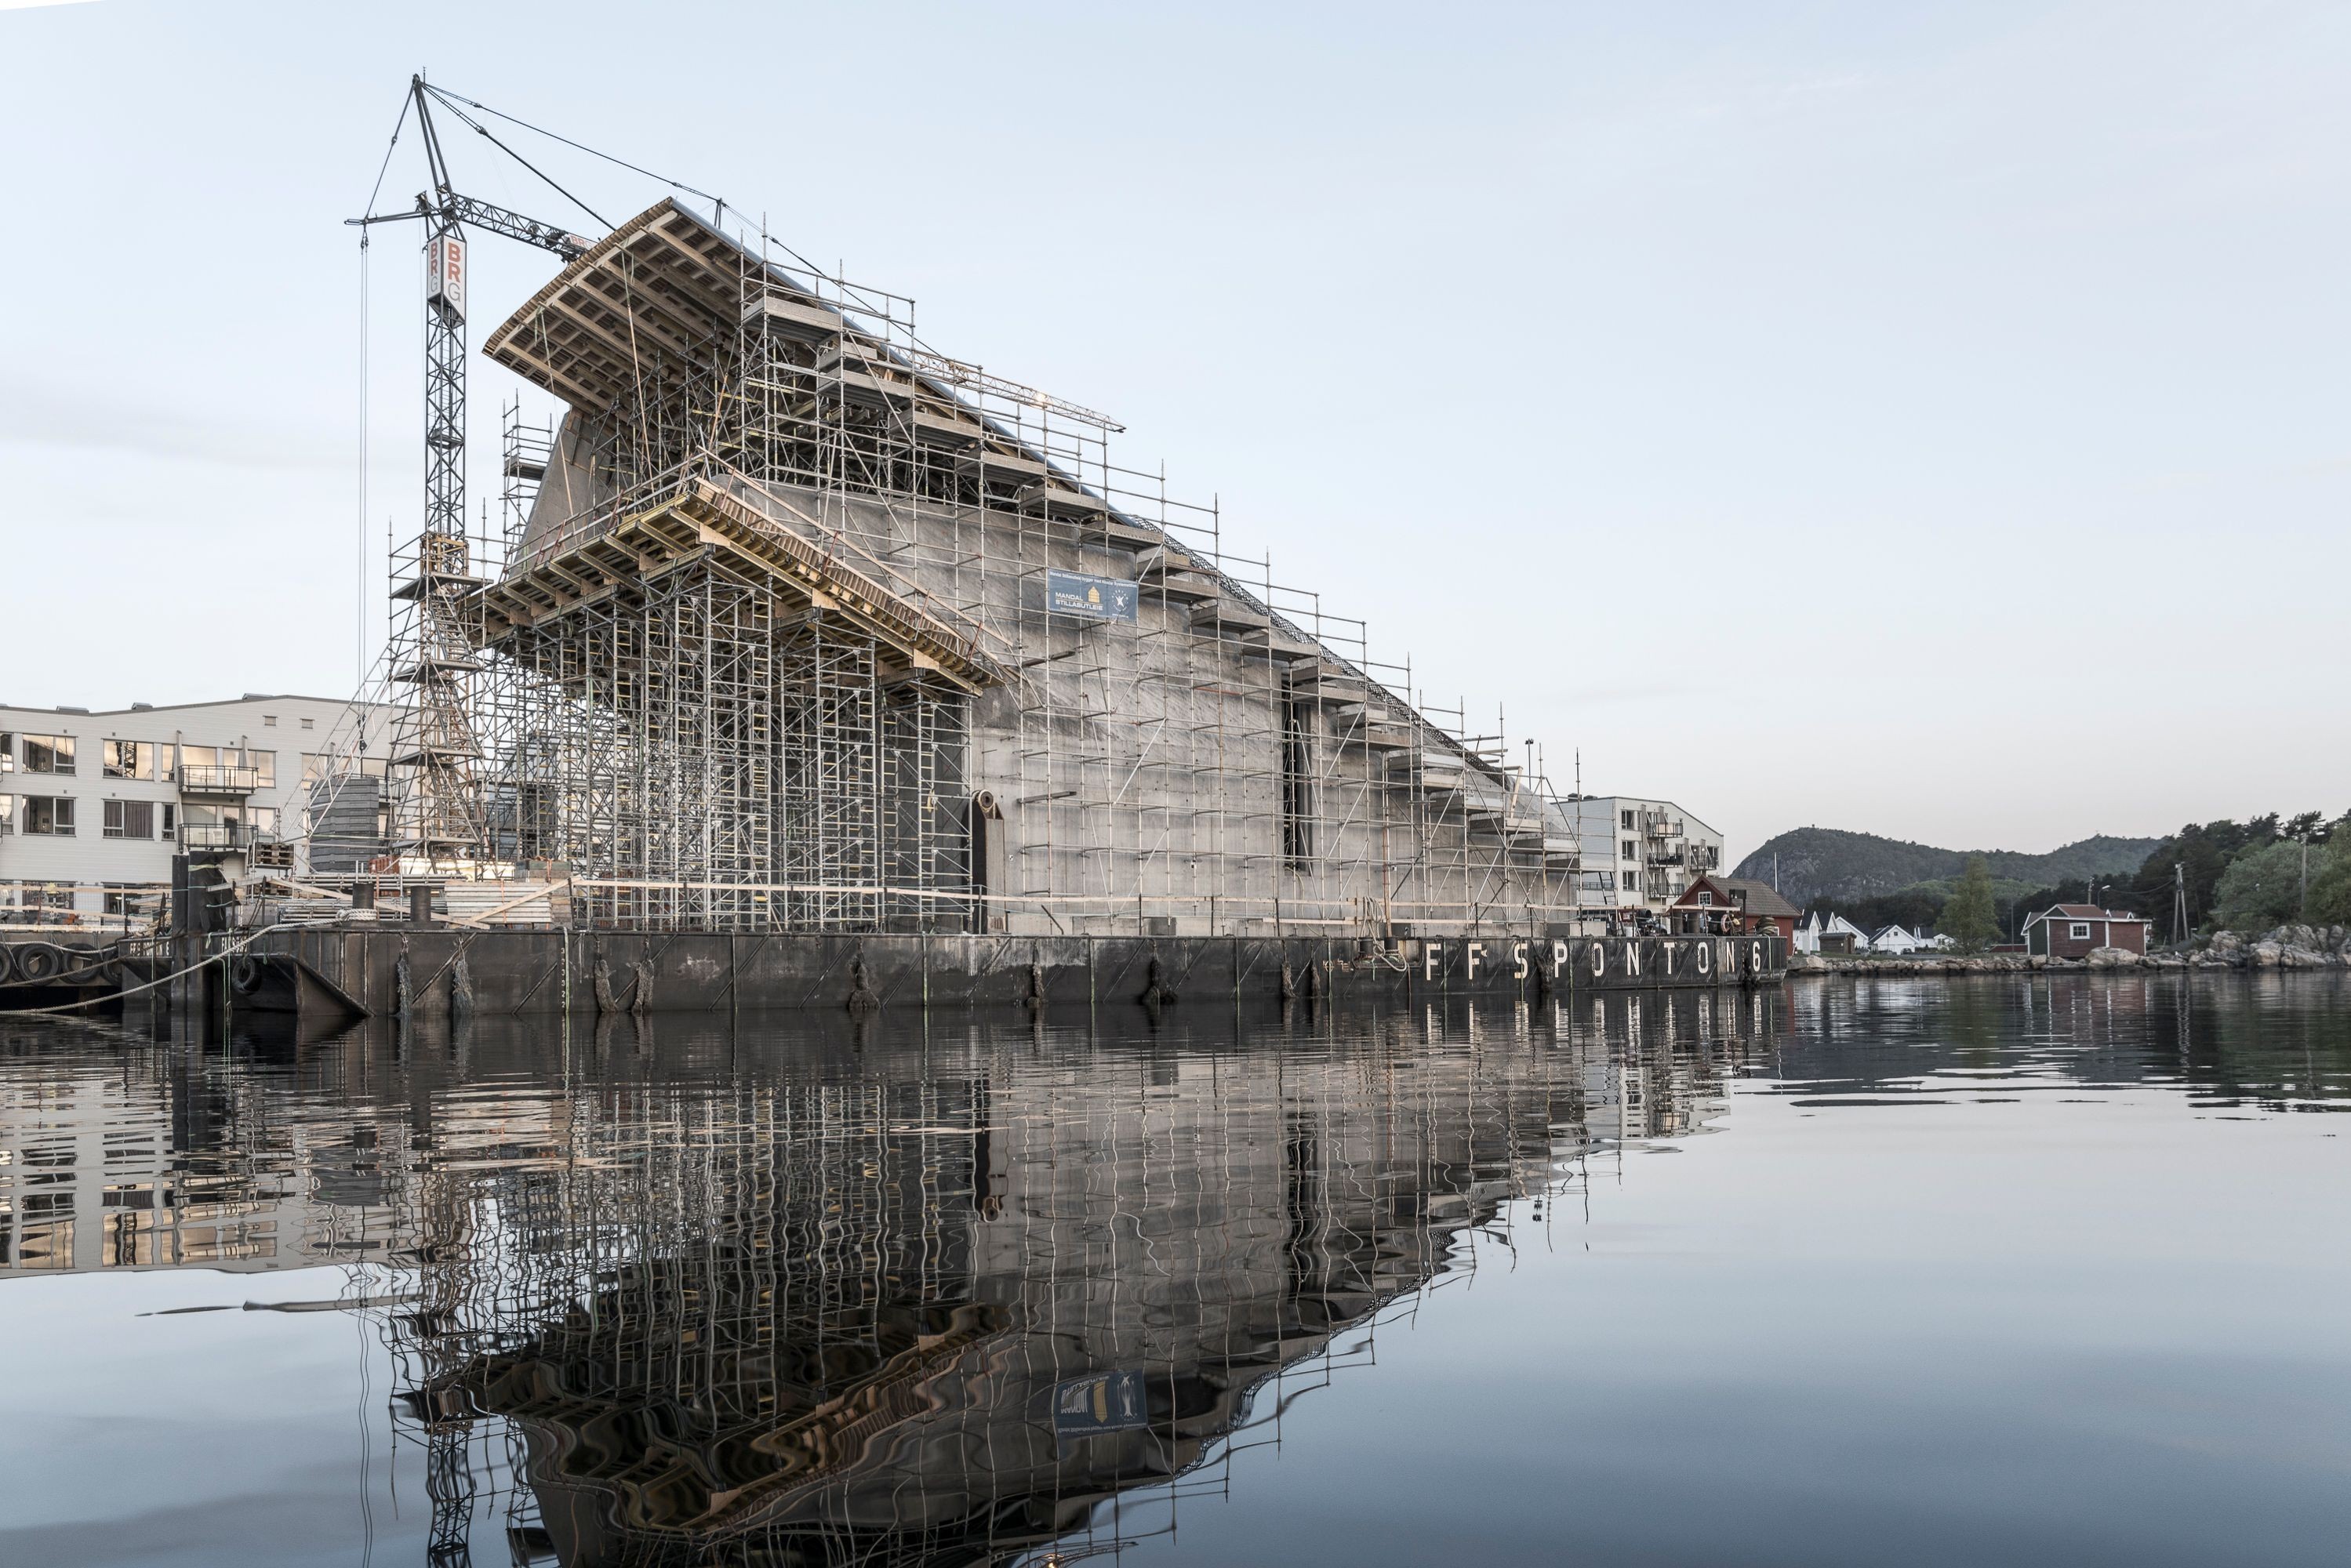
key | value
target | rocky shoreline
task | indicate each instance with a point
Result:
(2285, 948)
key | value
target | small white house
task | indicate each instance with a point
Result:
(1899, 939)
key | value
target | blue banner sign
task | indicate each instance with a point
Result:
(1095, 598)
(1108, 1402)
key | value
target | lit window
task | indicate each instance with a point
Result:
(48, 754)
(128, 758)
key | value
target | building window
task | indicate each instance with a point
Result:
(1632, 850)
(264, 768)
(1705, 901)
(1628, 880)
(129, 820)
(171, 823)
(2080, 931)
(48, 754)
(8, 814)
(1628, 821)
(1297, 780)
(269, 721)
(128, 758)
(8, 751)
(51, 816)
(309, 723)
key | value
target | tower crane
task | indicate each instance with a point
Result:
(439, 816)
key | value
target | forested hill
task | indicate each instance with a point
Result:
(1815, 862)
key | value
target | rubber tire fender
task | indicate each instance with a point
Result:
(39, 961)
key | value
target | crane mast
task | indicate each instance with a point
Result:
(439, 816)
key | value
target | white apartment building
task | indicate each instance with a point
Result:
(1640, 853)
(93, 806)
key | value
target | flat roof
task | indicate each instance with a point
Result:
(248, 700)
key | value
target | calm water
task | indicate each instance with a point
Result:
(2014, 1270)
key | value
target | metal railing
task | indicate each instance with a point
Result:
(218, 778)
(223, 836)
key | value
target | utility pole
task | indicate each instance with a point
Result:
(2178, 902)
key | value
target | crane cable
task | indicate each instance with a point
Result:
(450, 101)
(483, 131)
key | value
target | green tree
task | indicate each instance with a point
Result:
(1967, 918)
(2330, 882)
(2262, 887)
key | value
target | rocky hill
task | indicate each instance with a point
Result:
(1825, 862)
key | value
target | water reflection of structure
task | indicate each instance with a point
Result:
(749, 1298)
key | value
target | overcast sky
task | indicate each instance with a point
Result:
(1923, 420)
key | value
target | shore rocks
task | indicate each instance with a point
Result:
(2301, 948)
(2287, 947)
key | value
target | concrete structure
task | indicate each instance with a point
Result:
(1735, 906)
(2075, 930)
(331, 975)
(796, 623)
(1640, 854)
(93, 806)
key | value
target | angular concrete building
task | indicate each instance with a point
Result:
(800, 624)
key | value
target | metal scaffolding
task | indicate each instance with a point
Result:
(777, 634)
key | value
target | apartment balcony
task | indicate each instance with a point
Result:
(1663, 854)
(223, 836)
(220, 779)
